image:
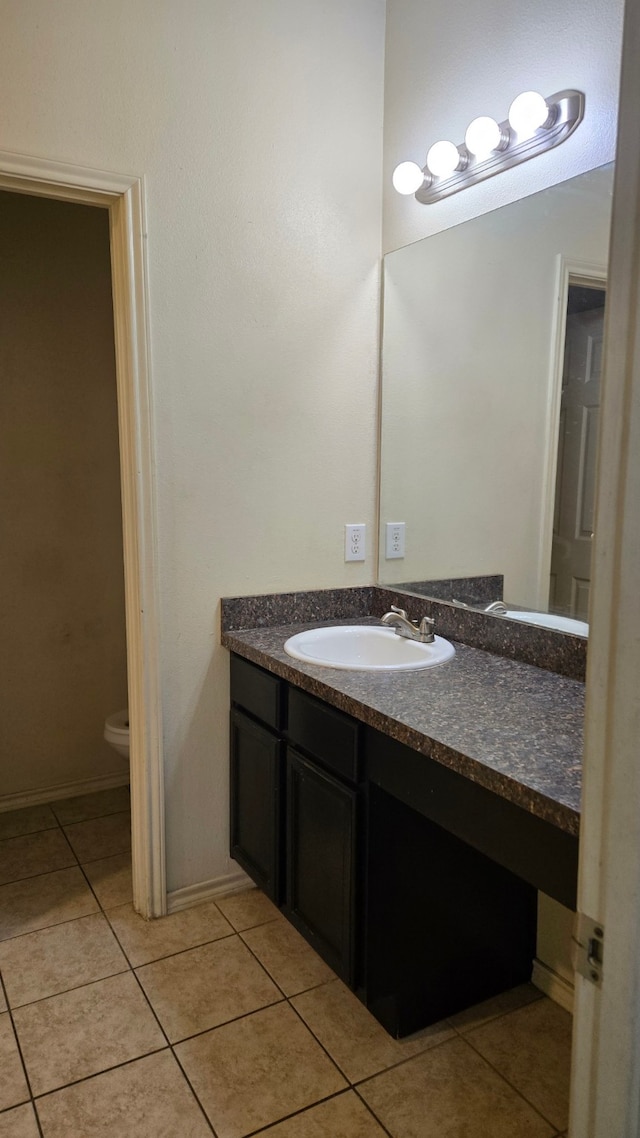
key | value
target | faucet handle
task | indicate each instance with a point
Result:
(427, 629)
(400, 612)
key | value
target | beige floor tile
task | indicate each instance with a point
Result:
(287, 957)
(247, 909)
(353, 1038)
(146, 1099)
(508, 1001)
(3, 1002)
(111, 879)
(100, 837)
(45, 900)
(53, 960)
(27, 821)
(257, 1070)
(13, 1085)
(80, 1033)
(344, 1116)
(85, 806)
(205, 987)
(19, 1123)
(144, 941)
(32, 854)
(447, 1092)
(532, 1049)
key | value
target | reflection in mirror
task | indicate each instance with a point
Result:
(490, 389)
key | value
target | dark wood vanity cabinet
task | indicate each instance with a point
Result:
(295, 808)
(257, 753)
(322, 821)
(257, 782)
(415, 884)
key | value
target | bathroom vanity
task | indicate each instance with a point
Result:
(404, 822)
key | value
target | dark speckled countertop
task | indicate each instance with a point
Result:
(511, 727)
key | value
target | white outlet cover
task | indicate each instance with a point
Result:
(355, 542)
(394, 540)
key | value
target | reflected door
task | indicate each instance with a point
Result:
(577, 451)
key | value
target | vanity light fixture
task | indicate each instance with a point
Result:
(534, 124)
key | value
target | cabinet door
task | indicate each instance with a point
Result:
(257, 785)
(321, 867)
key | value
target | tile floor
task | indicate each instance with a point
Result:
(221, 1020)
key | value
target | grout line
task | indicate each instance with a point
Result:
(31, 876)
(19, 1047)
(302, 1110)
(372, 1112)
(465, 1032)
(262, 966)
(92, 818)
(74, 988)
(37, 1118)
(313, 987)
(196, 1097)
(512, 1085)
(45, 928)
(170, 1044)
(55, 925)
(250, 928)
(96, 1074)
(169, 955)
(226, 1022)
(405, 1059)
(27, 833)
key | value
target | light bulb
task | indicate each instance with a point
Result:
(483, 136)
(443, 158)
(527, 113)
(407, 178)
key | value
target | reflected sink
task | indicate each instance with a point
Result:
(550, 620)
(367, 648)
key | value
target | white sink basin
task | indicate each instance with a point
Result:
(367, 648)
(550, 620)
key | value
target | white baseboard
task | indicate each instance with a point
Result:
(207, 890)
(63, 790)
(553, 985)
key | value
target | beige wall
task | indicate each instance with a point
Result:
(63, 659)
(257, 127)
(449, 61)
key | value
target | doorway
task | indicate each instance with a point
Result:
(123, 197)
(570, 576)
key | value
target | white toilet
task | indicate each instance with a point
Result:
(116, 732)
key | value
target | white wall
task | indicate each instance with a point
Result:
(257, 128)
(448, 62)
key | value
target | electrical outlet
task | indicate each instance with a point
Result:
(394, 543)
(355, 543)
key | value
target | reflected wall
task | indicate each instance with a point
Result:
(470, 397)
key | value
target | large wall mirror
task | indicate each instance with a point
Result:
(492, 346)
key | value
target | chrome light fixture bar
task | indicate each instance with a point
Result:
(565, 113)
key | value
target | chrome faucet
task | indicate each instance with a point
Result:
(498, 607)
(398, 619)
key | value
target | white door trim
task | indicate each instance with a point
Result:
(605, 1098)
(123, 196)
(568, 272)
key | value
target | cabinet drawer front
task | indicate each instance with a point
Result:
(324, 733)
(258, 692)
